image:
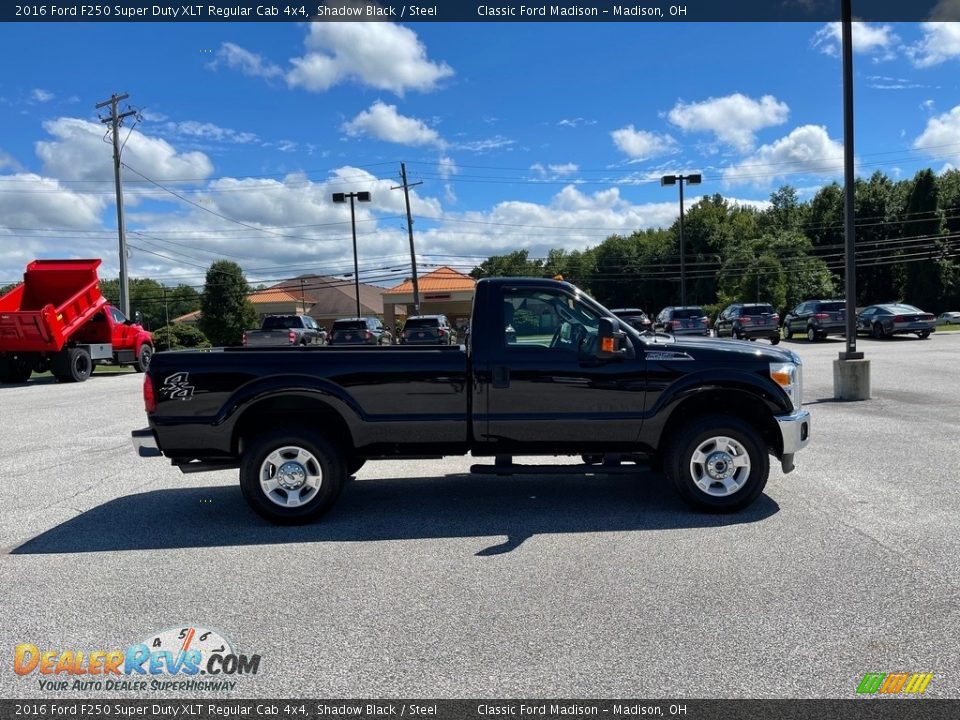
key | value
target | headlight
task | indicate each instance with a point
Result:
(789, 376)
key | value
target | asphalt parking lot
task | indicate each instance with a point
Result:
(425, 581)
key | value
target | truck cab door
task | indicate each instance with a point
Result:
(546, 389)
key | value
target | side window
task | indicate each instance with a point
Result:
(546, 318)
(118, 317)
(800, 309)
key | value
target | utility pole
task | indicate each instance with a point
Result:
(413, 255)
(114, 120)
(166, 315)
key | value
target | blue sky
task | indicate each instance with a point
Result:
(524, 135)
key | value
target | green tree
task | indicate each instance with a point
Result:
(179, 337)
(515, 264)
(226, 311)
(925, 272)
(4, 289)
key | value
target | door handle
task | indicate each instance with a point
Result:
(501, 376)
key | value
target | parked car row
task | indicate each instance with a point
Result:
(813, 319)
(278, 330)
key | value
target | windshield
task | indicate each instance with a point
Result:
(832, 306)
(684, 313)
(349, 325)
(414, 323)
(758, 310)
(278, 322)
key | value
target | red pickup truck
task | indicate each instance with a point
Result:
(58, 320)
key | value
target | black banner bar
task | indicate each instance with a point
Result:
(872, 708)
(412, 11)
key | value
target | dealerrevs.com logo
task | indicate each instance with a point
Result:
(178, 659)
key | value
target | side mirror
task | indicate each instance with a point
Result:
(611, 340)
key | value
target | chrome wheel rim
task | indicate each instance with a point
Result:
(720, 466)
(290, 476)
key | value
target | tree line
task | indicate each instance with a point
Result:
(907, 242)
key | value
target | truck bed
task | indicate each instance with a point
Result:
(389, 401)
(56, 298)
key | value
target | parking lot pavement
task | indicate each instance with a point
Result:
(426, 581)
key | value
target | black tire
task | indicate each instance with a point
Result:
(787, 332)
(318, 456)
(737, 334)
(679, 467)
(774, 339)
(923, 335)
(878, 331)
(143, 358)
(354, 464)
(14, 370)
(811, 334)
(72, 365)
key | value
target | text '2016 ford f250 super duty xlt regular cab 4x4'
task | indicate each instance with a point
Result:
(545, 370)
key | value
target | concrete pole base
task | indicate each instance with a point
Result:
(851, 379)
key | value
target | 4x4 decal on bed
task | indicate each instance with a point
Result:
(177, 387)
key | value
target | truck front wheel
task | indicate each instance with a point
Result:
(718, 464)
(291, 476)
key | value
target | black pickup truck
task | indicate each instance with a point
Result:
(545, 370)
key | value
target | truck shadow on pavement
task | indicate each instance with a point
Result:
(452, 506)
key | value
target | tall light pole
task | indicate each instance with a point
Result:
(674, 180)
(361, 197)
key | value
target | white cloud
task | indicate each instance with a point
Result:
(940, 42)
(641, 144)
(941, 134)
(377, 54)
(867, 39)
(448, 168)
(78, 152)
(808, 149)
(554, 172)
(33, 201)
(385, 123)
(733, 119)
(249, 63)
(41, 95)
(576, 122)
(498, 142)
(209, 131)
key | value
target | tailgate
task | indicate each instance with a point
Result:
(267, 338)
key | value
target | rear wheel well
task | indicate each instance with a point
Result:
(292, 411)
(739, 403)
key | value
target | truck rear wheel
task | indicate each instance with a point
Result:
(72, 365)
(291, 476)
(14, 370)
(718, 464)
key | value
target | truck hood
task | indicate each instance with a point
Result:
(704, 348)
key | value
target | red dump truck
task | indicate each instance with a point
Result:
(58, 320)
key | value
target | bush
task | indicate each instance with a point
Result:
(179, 337)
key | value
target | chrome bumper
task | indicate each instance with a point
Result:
(795, 431)
(145, 443)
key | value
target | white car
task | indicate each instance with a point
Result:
(949, 318)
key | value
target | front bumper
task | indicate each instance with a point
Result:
(795, 432)
(145, 443)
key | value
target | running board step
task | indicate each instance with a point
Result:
(582, 469)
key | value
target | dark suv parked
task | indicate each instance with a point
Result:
(427, 330)
(816, 319)
(356, 331)
(635, 318)
(749, 321)
(687, 320)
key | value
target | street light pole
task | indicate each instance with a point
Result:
(360, 197)
(693, 179)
